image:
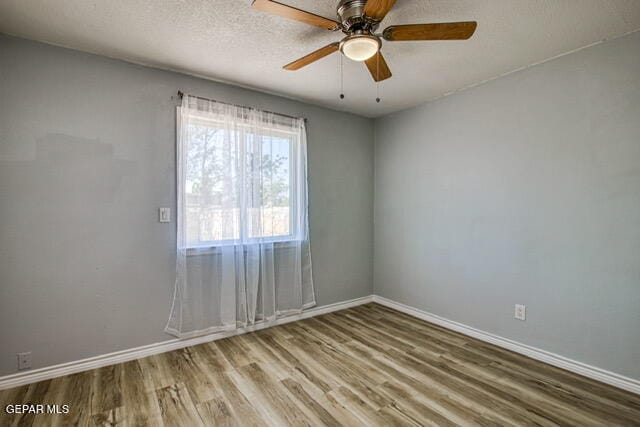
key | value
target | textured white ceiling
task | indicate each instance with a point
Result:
(227, 40)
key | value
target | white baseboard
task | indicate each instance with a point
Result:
(580, 368)
(607, 377)
(35, 375)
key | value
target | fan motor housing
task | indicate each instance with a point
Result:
(352, 18)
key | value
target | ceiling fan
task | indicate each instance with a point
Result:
(359, 20)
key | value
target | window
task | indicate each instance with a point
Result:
(240, 182)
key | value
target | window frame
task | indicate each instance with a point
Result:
(209, 246)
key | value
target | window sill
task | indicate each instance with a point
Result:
(213, 250)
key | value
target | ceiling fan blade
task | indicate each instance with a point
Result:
(378, 67)
(291, 12)
(378, 9)
(443, 31)
(312, 57)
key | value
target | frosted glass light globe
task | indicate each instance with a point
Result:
(360, 48)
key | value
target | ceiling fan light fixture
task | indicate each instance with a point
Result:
(360, 47)
(359, 20)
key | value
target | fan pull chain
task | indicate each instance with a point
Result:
(341, 78)
(378, 77)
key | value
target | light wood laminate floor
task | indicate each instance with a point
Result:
(367, 365)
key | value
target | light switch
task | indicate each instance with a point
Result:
(165, 215)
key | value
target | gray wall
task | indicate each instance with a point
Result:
(87, 155)
(523, 190)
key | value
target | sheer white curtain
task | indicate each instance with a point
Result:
(243, 238)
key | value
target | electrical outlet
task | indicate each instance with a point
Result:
(24, 361)
(164, 215)
(521, 312)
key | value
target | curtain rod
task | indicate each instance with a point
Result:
(181, 94)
